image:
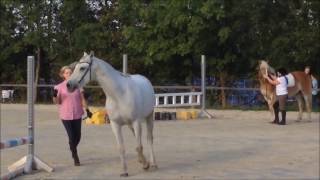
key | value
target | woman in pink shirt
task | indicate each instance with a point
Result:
(71, 105)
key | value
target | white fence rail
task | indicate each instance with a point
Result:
(178, 99)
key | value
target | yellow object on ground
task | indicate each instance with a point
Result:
(187, 114)
(183, 115)
(194, 114)
(99, 116)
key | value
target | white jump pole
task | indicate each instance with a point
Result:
(32, 162)
(203, 113)
(30, 98)
(29, 162)
(125, 64)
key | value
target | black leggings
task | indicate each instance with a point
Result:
(73, 128)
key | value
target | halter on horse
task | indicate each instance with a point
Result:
(130, 101)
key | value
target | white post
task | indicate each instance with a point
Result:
(125, 64)
(165, 100)
(198, 99)
(29, 162)
(30, 97)
(203, 112)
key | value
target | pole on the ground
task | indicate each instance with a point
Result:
(203, 113)
(125, 64)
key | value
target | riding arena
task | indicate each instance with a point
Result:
(165, 134)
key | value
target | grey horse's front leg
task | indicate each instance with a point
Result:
(153, 164)
(116, 128)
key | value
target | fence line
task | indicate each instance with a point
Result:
(155, 87)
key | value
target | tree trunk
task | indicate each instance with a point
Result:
(37, 73)
(70, 45)
(223, 94)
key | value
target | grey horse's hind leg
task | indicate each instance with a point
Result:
(149, 123)
(131, 128)
(138, 132)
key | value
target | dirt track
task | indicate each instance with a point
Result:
(233, 145)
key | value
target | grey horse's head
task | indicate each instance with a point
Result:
(81, 72)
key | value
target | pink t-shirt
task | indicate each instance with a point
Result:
(70, 107)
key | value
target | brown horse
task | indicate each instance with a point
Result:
(301, 90)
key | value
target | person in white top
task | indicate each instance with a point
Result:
(281, 83)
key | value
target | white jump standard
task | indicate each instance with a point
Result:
(30, 161)
(168, 100)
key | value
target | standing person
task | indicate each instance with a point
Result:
(71, 107)
(280, 81)
(314, 82)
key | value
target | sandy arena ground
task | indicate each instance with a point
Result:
(234, 145)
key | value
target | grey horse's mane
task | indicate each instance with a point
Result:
(73, 65)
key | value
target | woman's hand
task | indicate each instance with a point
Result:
(55, 97)
(89, 113)
(55, 93)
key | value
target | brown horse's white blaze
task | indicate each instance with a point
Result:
(301, 90)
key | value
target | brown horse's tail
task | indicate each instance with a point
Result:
(303, 82)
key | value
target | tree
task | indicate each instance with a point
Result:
(164, 39)
(178, 32)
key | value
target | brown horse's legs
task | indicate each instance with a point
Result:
(308, 102)
(300, 104)
(271, 109)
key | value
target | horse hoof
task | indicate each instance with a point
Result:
(153, 167)
(124, 175)
(146, 166)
